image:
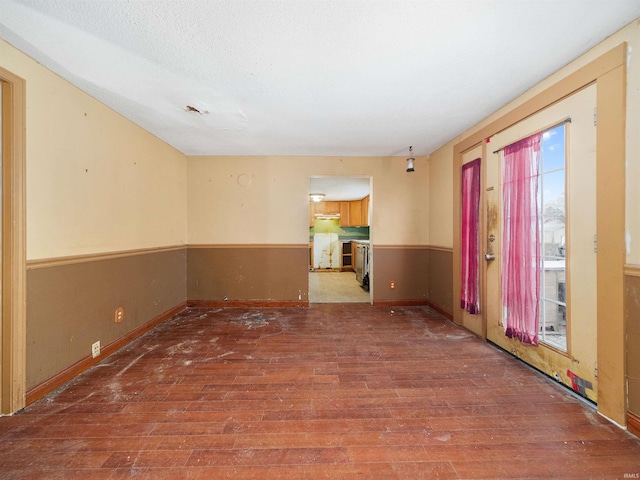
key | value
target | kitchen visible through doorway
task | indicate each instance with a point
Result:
(338, 232)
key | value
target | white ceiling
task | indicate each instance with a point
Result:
(341, 188)
(314, 77)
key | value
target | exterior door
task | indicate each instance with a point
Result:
(567, 348)
(474, 321)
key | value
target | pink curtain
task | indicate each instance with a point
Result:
(521, 240)
(469, 294)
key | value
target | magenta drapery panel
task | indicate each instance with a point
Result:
(521, 239)
(470, 289)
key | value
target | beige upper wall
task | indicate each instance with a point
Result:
(440, 191)
(441, 161)
(96, 182)
(264, 200)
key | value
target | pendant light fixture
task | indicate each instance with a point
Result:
(410, 161)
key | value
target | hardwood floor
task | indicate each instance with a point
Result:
(330, 391)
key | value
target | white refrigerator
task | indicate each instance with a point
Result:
(326, 251)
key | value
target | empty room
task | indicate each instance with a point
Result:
(320, 239)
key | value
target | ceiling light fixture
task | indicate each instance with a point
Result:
(410, 161)
(316, 197)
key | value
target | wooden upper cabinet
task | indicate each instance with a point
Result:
(332, 207)
(352, 214)
(344, 214)
(365, 211)
(355, 213)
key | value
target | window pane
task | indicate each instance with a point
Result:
(554, 281)
(553, 215)
(554, 329)
(553, 149)
(553, 192)
(551, 200)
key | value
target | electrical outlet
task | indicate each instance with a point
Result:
(95, 349)
(119, 315)
(392, 285)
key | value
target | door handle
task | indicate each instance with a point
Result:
(489, 257)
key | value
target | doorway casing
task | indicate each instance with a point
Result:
(13, 297)
(369, 178)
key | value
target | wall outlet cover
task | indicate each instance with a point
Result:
(95, 349)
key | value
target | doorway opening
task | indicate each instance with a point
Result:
(340, 267)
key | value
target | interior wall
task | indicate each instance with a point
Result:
(97, 185)
(440, 192)
(96, 182)
(264, 201)
(632, 317)
(405, 266)
(71, 305)
(270, 275)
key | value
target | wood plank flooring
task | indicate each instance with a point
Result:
(330, 391)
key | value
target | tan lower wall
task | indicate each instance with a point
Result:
(248, 273)
(407, 267)
(440, 271)
(632, 320)
(71, 304)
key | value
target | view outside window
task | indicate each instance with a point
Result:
(552, 208)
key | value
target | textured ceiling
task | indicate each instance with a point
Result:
(341, 188)
(348, 78)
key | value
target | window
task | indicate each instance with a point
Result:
(552, 208)
(534, 281)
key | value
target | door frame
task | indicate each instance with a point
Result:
(608, 73)
(369, 218)
(13, 298)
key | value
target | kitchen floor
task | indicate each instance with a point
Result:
(336, 287)
(337, 391)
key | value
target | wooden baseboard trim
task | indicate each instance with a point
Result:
(413, 303)
(245, 303)
(633, 423)
(440, 310)
(48, 386)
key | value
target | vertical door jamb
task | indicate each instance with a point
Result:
(13, 319)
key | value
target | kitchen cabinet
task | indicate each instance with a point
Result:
(344, 214)
(328, 207)
(359, 212)
(323, 208)
(365, 210)
(353, 213)
(347, 257)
